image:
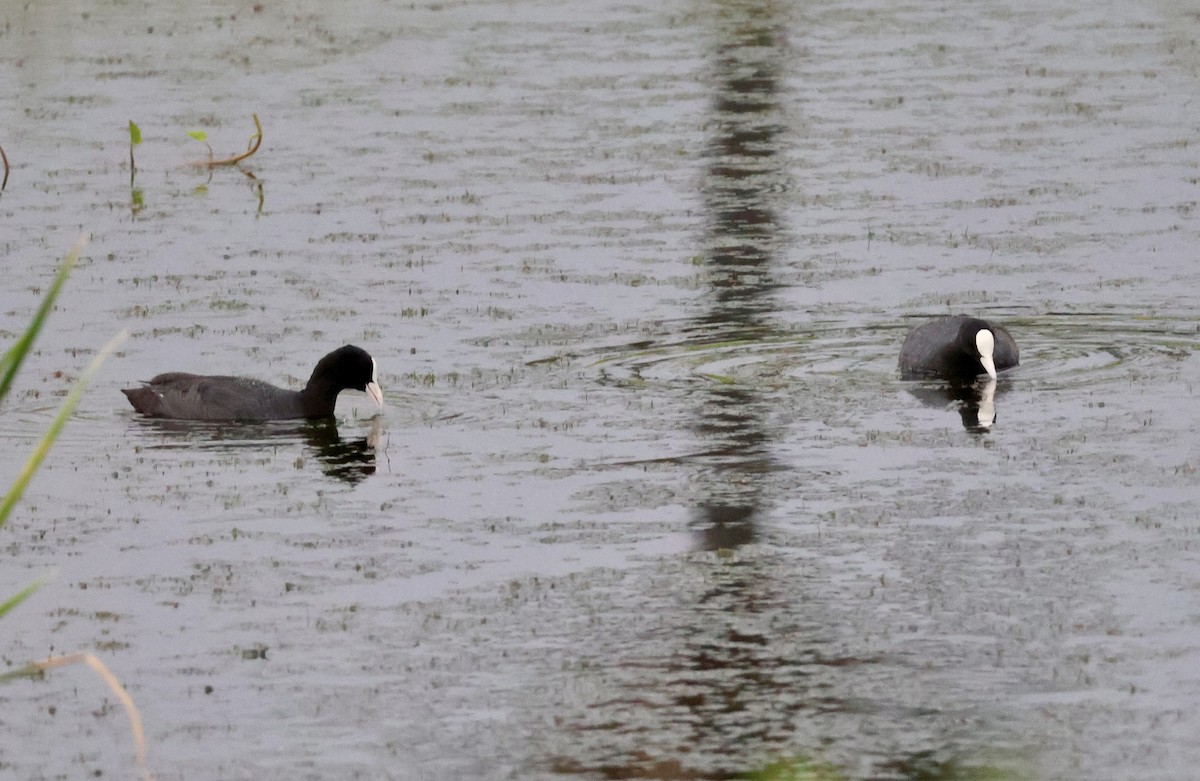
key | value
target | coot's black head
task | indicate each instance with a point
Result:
(348, 367)
(975, 338)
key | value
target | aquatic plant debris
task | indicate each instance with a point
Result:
(252, 147)
(115, 686)
(135, 138)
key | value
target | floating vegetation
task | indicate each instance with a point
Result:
(135, 138)
(213, 161)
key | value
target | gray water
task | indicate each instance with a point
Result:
(648, 499)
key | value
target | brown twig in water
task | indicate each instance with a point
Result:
(135, 719)
(255, 143)
(257, 186)
(4, 182)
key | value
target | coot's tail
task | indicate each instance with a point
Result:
(144, 400)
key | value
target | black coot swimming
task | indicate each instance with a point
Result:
(957, 348)
(198, 397)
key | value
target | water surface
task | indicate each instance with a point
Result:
(649, 499)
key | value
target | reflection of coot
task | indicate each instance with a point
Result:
(184, 396)
(352, 460)
(975, 402)
(957, 348)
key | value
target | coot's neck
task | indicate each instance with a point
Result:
(319, 397)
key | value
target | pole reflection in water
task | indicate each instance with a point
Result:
(726, 678)
(729, 685)
(742, 180)
(737, 655)
(744, 660)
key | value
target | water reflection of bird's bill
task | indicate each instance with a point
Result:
(987, 404)
(377, 432)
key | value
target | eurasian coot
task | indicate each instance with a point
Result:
(198, 397)
(957, 348)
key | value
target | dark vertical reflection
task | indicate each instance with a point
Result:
(746, 663)
(746, 660)
(742, 180)
(727, 687)
(730, 660)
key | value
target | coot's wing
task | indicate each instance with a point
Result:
(165, 396)
(931, 348)
(1007, 353)
(195, 397)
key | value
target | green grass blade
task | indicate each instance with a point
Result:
(60, 420)
(12, 359)
(21, 596)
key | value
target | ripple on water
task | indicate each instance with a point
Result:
(1058, 350)
(1090, 349)
(820, 348)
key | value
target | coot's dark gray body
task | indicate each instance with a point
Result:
(214, 397)
(948, 348)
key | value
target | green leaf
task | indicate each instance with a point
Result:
(11, 362)
(60, 420)
(199, 135)
(21, 596)
(135, 134)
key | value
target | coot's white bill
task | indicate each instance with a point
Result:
(373, 386)
(986, 343)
